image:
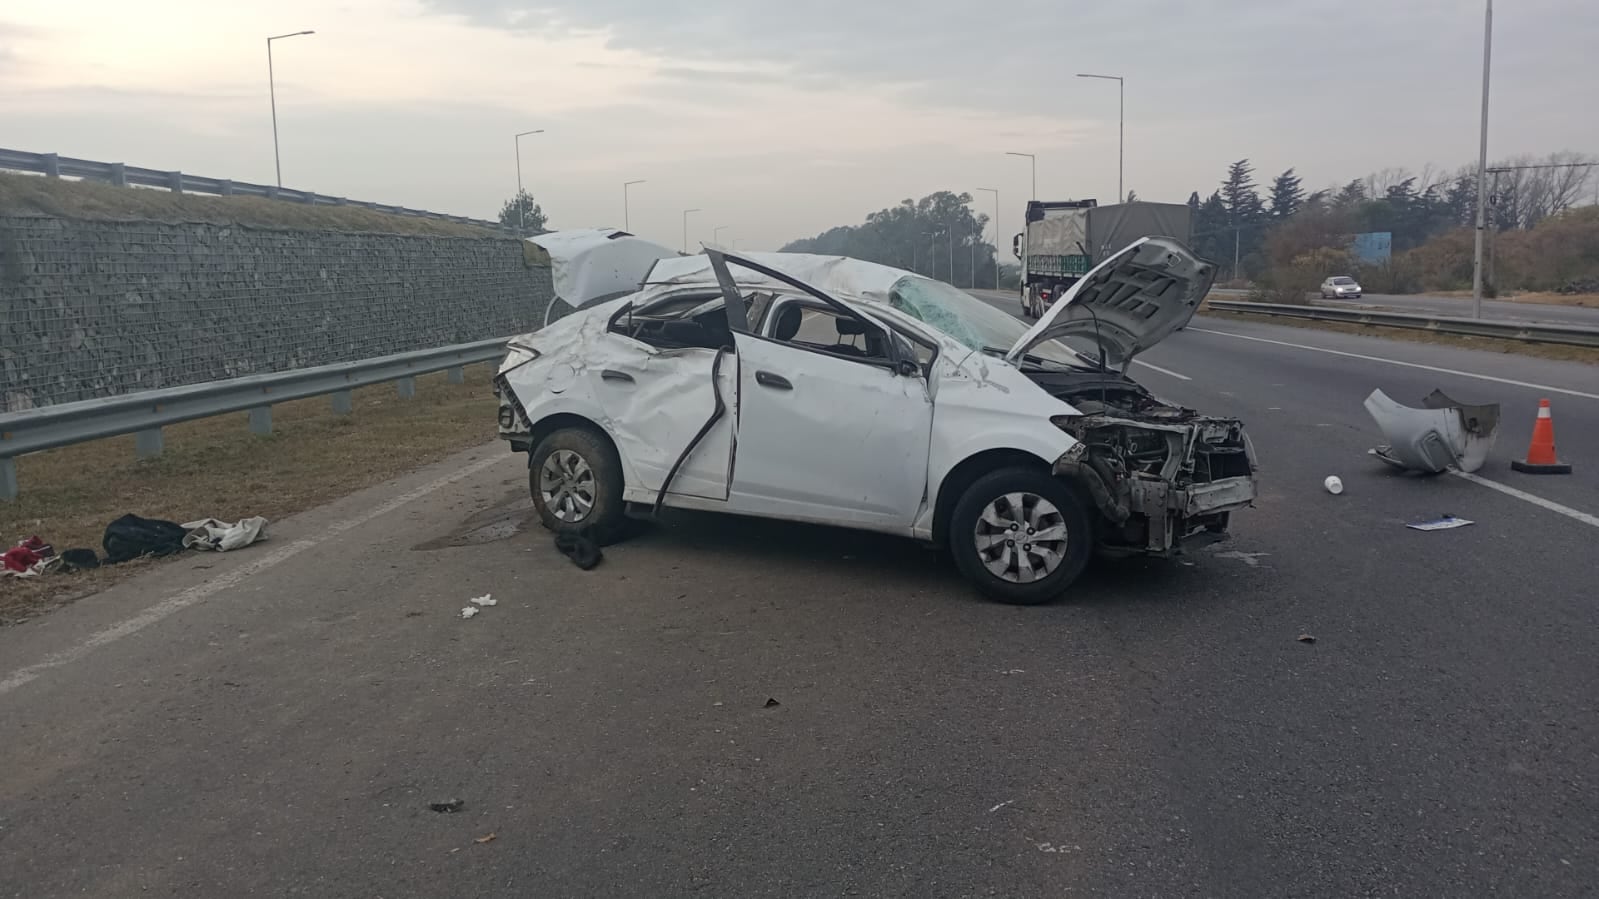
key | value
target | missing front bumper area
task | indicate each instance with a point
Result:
(1147, 513)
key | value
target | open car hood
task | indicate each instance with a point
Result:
(592, 264)
(1132, 300)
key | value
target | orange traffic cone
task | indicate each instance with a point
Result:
(1541, 457)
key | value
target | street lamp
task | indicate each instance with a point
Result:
(1035, 169)
(1121, 130)
(1482, 165)
(625, 218)
(716, 234)
(272, 88)
(685, 227)
(521, 207)
(995, 192)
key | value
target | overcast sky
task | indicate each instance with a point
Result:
(782, 119)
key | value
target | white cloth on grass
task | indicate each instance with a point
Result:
(222, 536)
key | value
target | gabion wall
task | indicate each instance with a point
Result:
(95, 308)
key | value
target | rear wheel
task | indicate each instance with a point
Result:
(575, 478)
(1020, 536)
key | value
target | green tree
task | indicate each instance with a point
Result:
(523, 214)
(1287, 195)
(938, 236)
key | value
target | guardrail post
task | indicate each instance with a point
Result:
(8, 478)
(272, 192)
(175, 180)
(227, 188)
(147, 444)
(119, 174)
(52, 165)
(261, 421)
(343, 402)
(407, 387)
(456, 375)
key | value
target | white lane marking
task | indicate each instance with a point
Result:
(201, 592)
(1447, 371)
(1164, 371)
(1539, 501)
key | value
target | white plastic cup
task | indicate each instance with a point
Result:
(1333, 485)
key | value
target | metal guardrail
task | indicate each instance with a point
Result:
(1531, 332)
(57, 166)
(145, 413)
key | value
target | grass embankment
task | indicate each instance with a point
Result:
(216, 468)
(34, 195)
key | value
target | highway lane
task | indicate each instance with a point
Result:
(270, 729)
(1418, 303)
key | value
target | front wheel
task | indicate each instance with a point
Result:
(1020, 536)
(575, 477)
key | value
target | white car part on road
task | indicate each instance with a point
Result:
(1442, 436)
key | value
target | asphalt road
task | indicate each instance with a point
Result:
(277, 721)
(1440, 305)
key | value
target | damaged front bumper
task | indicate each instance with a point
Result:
(1161, 507)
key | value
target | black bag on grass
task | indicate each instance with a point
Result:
(130, 537)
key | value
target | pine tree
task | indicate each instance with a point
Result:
(1287, 195)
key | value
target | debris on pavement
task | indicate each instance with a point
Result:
(469, 611)
(1000, 806)
(448, 806)
(580, 548)
(132, 537)
(1306, 638)
(1439, 524)
(1334, 484)
(209, 533)
(771, 704)
(486, 599)
(1250, 559)
(1444, 434)
(487, 838)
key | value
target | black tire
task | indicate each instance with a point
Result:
(992, 488)
(605, 520)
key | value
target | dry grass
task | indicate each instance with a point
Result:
(34, 195)
(1484, 344)
(216, 467)
(1586, 300)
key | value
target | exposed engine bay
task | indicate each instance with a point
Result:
(1163, 476)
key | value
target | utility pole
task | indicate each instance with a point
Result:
(521, 207)
(1482, 163)
(1121, 132)
(685, 228)
(272, 89)
(1034, 160)
(626, 226)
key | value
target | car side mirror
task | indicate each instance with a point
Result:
(908, 368)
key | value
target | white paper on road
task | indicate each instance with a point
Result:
(1440, 524)
(222, 536)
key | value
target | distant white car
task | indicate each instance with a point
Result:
(829, 390)
(1339, 287)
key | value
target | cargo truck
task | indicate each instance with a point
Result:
(1064, 239)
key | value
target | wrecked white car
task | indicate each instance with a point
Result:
(835, 391)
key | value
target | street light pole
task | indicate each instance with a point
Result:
(272, 89)
(716, 234)
(995, 192)
(626, 225)
(685, 228)
(1482, 164)
(1035, 169)
(1121, 131)
(521, 208)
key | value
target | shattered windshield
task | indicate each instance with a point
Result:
(970, 321)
